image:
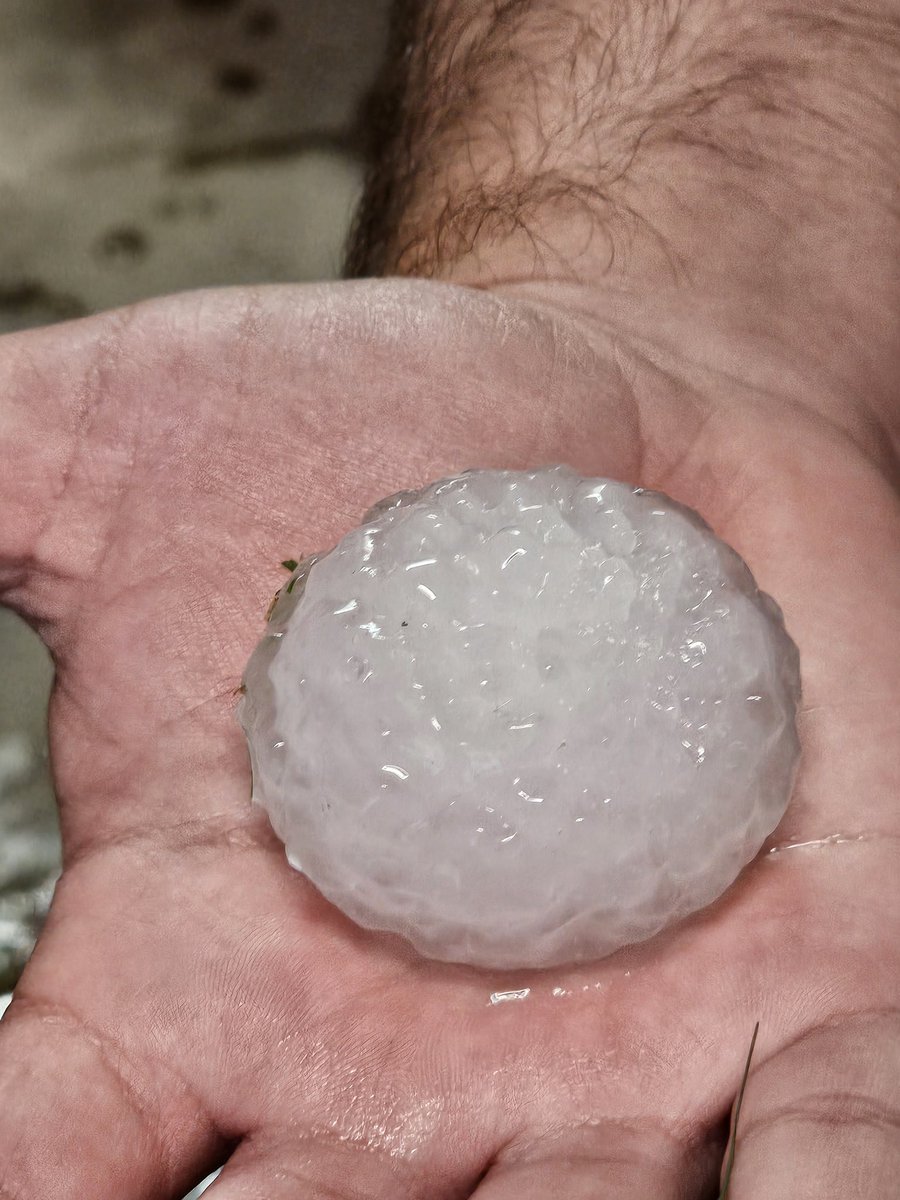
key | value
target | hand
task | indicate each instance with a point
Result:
(691, 309)
(193, 997)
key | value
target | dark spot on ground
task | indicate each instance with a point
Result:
(239, 79)
(208, 5)
(123, 244)
(262, 24)
(31, 296)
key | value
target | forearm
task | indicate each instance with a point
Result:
(740, 155)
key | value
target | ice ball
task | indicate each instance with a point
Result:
(523, 718)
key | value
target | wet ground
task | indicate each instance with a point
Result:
(148, 146)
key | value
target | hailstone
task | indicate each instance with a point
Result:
(523, 718)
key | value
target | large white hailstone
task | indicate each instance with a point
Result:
(523, 718)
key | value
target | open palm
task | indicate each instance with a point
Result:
(193, 999)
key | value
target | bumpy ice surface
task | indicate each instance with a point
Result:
(523, 718)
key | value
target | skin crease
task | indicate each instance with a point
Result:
(192, 997)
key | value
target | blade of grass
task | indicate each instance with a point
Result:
(729, 1166)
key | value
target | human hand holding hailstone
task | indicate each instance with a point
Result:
(656, 251)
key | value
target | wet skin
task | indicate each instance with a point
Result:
(192, 997)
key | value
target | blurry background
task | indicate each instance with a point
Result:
(148, 146)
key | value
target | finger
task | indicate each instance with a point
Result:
(324, 1168)
(83, 401)
(821, 1119)
(607, 1161)
(78, 1119)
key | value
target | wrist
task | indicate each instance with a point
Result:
(699, 157)
(532, 135)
